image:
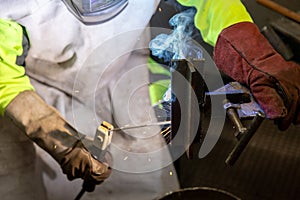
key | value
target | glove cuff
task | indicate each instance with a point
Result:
(245, 38)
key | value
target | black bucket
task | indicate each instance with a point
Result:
(200, 193)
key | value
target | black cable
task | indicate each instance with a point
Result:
(80, 194)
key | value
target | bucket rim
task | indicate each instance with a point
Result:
(201, 188)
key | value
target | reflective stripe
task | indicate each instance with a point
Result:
(25, 45)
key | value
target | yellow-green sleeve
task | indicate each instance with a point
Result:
(12, 76)
(214, 15)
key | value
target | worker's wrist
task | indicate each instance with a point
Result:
(10, 94)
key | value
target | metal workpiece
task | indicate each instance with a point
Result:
(242, 109)
(240, 97)
(238, 103)
(98, 150)
(191, 114)
(235, 99)
(188, 87)
(231, 111)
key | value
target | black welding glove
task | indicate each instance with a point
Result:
(244, 54)
(43, 125)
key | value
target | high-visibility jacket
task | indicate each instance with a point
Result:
(12, 76)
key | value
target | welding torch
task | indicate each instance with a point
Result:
(101, 141)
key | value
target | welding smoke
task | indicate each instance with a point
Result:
(179, 44)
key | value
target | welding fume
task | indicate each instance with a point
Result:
(68, 66)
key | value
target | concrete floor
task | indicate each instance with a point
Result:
(270, 166)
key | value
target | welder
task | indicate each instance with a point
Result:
(81, 60)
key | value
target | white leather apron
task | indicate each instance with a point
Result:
(90, 74)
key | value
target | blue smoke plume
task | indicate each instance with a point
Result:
(179, 44)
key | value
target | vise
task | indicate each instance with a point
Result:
(234, 99)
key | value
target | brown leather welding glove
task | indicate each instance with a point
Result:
(244, 54)
(42, 124)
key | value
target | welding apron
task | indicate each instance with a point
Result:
(90, 74)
